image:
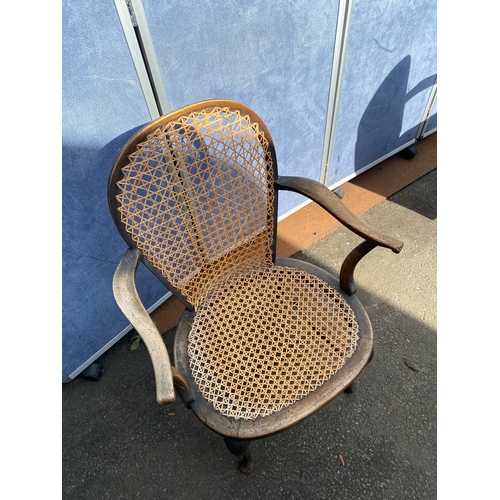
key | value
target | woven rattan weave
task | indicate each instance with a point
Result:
(194, 191)
(267, 338)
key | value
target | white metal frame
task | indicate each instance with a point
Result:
(422, 132)
(338, 63)
(135, 27)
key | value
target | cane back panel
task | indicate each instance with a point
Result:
(197, 198)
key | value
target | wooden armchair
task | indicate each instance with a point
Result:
(264, 342)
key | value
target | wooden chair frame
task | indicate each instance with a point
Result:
(170, 377)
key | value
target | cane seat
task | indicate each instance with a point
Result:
(267, 338)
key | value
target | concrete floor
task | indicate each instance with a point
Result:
(118, 443)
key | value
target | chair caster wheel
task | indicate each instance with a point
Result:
(245, 465)
(351, 388)
(93, 372)
(408, 153)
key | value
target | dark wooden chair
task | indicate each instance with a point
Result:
(264, 342)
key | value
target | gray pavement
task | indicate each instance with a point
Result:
(118, 443)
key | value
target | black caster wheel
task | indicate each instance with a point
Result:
(339, 192)
(408, 153)
(93, 372)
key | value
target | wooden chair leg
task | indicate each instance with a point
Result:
(371, 356)
(240, 449)
(352, 387)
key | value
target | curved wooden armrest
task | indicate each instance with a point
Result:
(331, 203)
(129, 302)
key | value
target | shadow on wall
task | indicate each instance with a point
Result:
(380, 127)
(91, 251)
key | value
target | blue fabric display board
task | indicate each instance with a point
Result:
(103, 105)
(275, 57)
(390, 69)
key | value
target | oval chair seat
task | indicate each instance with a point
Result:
(264, 340)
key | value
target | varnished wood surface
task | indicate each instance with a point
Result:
(330, 202)
(128, 300)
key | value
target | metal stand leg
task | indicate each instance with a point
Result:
(93, 372)
(408, 153)
(240, 449)
(339, 192)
